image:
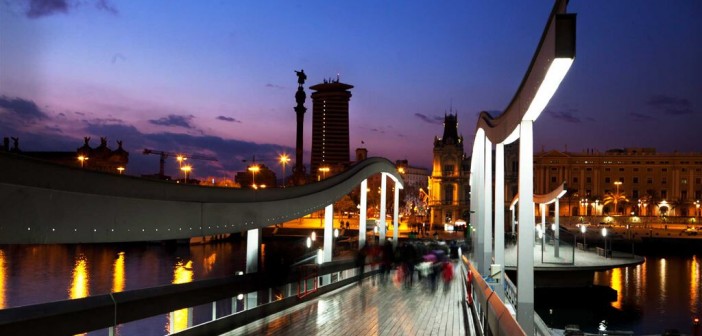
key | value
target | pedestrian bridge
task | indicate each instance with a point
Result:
(46, 203)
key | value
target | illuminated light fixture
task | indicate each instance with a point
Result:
(583, 228)
(563, 55)
(309, 242)
(320, 256)
(554, 76)
(336, 233)
(604, 232)
(314, 236)
(120, 170)
(240, 297)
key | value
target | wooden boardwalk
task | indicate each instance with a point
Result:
(374, 308)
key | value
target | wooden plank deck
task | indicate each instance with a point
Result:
(372, 309)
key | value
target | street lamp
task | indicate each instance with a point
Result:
(583, 229)
(254, 169)
(697, 205)
(186, 170)
(82, 159)
(284, 159)
(604, 235)
(120, 170)
(180, 159)
(324, 171)
(616, 197)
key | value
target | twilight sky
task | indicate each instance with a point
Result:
(216, 77)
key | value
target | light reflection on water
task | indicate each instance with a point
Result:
(663, 293)
(118, 274)
(80, 278)
(2, 279)
(179, 319)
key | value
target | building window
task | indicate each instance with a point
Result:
(664, 170)
(664, 181)
(683, 194)
(575, 180)
(608, 180)
(606, 169)
(553, 179)
(448, 194)
(634, 194)
(448, 169)
(588, 180)
(649, 180)
(683, 181)
(664, 194)
(636, 180)
(698, 180)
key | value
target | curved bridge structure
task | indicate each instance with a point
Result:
(46, 203)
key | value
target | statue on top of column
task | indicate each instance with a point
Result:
(301, 77)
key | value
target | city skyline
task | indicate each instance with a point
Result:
(210, 78)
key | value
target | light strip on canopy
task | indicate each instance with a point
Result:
(556, 72)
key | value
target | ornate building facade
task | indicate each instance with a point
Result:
(628, 182)
(330, 128)
(449, 190)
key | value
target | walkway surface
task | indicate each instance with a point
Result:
(372, 309)
(572, 259)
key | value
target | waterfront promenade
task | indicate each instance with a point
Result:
(374, 308)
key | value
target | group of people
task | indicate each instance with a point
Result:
(430, 262)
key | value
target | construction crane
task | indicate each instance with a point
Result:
(180, 156)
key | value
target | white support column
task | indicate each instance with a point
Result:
(487, 207)
(362, 214)
(500, 216)
(525, 247)
(479, 189)
(556, 242)
(328, 236)
(383, 201)
(542, 209)
(395, 214)
(252, 248)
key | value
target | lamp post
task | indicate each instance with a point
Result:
(697, 206)
(120, 170)
(284, 159)
(254, 169)
(604, 235)
(180, 159)
(186, 170)
(82, 159)
(616, 197)
(324, 171)
(583, 229)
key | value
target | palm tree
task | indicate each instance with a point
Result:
(616, 199)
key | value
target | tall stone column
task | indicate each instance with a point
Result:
(300, 96)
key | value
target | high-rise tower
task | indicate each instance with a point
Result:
(330, 127)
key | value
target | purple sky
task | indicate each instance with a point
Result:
(216, 77)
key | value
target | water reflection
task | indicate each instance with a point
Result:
(118, 278)
(616, 282)
(182, 273)
(79, 284)
(662, 278)
(694, 284)
(2, 280)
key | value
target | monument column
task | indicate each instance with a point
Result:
(300, 96)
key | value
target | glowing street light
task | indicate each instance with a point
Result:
(180, 159)
(604, 235)
(120, 170)
(186, 170)
(583, 229)
(82, 159)
(284, 159)
(254, 169)
(697, 206)
(616, 183)
(324, 171)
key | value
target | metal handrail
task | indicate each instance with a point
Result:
(108, 310)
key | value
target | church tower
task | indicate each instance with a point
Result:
(449, 181)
